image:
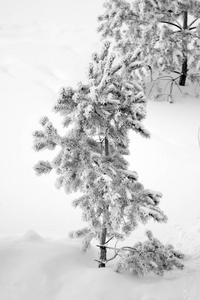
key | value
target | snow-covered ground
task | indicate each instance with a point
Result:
(34, 268)
(45, 45)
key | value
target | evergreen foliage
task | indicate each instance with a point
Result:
(97, 117)
(160, 30)
(150, 256)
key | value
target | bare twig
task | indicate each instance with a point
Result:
(108, 247)
(118, 251)
(126, 248)
(171, 82)
(152, 86)
(191, 28)
(193, 22)
(112, 257)
(178, 87)
(170, 23)
(109, 240)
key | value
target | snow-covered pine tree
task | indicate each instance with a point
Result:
(164, 31)
(124, 25)
(97, 117)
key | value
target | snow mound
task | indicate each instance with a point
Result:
(32, 236)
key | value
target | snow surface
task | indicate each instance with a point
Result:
(45, 45)
(37, 268)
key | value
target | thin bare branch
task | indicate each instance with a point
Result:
(109, 240)
(176, 72)
(126, 248)
(108, 247)
(192, 28)
(170, 23)
(178, 87)
(169, 82)
(112, 257)
(129, 249)
(159, 78)
(193, 22)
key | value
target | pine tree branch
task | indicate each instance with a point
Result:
(193, 22)
(116, 70)
(191, 28)
(170, 23)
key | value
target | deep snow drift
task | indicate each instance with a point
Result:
(36, 268)
(44, 46)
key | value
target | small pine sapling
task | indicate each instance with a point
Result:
(166, 33)
(97, 117)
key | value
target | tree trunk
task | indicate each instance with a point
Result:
(103, 250)
(184, 68)
(106, 147)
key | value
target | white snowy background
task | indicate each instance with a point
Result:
(45, 45)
